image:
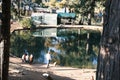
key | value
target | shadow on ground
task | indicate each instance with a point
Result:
(34, 75)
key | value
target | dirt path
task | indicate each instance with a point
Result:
(20, 71)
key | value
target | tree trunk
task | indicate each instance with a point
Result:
(91, 15)
(6, 37)
(109, 56)
(87, 46)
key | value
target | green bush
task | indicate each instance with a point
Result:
(26, 22)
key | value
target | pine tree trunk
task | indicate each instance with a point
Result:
(109, 56)
(6, 37)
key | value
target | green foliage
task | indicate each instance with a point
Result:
(52, 2)
(21, 40)
(38, 1)
(26, 22)
(75, 49)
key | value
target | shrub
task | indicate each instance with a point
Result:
(26, 22)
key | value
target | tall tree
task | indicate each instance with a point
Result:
(6, 36)
(109, 55)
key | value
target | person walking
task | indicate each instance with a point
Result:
(48, 58)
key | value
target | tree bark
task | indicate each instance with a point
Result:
(6, 37)
(109, 56)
